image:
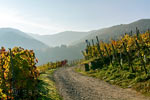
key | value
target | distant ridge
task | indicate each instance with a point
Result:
(66, 37)
(10, 37)
(116, 31)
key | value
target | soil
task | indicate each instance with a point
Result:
(74, 86)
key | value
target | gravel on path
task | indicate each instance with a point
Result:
(74, 86)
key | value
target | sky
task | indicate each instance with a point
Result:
(53, 16)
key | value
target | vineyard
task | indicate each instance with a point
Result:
(52, 65)
(18, 74)
(122, 61)
(122, 51)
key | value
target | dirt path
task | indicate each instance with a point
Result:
(74, 86)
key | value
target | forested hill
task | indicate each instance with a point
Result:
(116, 31)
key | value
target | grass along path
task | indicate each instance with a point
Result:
(47, 87)
(123, 78)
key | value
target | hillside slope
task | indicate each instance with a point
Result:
(115, 32)
(67, 37)
(12, 37)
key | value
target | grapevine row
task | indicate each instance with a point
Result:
(52, 65)
(132, 50)
(18, 73)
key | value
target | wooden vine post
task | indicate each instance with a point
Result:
(115, 55)
(87, 57)
(129, 57)
(99, 49)
(108, 54)
(94, 48)
(142, 60)
(90, 49)
(87, 49)
(137, 33)
(92, 42)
